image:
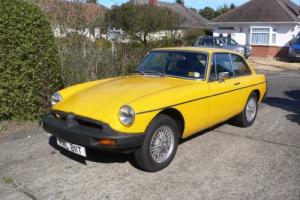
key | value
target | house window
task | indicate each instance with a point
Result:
(260, 36)
(274, 38)
(225, 28)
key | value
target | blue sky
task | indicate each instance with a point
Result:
(189, 3)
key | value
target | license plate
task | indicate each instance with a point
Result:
(74, 148)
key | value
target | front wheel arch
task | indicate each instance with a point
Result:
(257, 92)
(176, 116)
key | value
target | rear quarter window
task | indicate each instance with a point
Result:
(239, 66)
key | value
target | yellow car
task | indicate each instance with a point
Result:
(175, 93)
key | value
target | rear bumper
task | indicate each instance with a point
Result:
(87, 132)
(293, 57)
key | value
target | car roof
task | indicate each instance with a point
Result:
(195, 49)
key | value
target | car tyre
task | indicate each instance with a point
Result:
(291, 60)
(162, 136)
(248, 116)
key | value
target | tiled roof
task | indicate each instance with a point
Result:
(262, 11)
(190, 18)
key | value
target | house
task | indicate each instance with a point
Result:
(190, 18)
(267, 25)
(73, 16)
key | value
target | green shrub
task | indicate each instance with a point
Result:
(29, 65)
(84, 60)
(103, 44)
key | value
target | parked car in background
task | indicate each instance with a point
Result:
(175, 93)
(294, 49)
(225, 43)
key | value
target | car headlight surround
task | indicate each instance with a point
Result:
(126, 115)
(55, 98)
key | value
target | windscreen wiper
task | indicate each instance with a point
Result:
(156, 73)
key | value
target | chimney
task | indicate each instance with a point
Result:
(153, 2)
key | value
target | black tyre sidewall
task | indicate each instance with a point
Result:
(142, 154)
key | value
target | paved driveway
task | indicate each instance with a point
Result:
(260, 162)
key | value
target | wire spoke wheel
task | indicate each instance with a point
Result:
(162, 144)
(251, 109)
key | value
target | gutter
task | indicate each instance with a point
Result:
(241, 23)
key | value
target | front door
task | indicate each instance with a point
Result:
(224, 89)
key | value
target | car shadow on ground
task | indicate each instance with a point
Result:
(98, 156)
(95, 155)
(290, 104)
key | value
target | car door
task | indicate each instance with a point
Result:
(243, 79)
(224, 93)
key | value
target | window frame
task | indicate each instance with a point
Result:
(244, 62)
(261, 27)
(213, 59)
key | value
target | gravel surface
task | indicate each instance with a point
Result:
(225, 162)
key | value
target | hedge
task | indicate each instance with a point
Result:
(29, 61)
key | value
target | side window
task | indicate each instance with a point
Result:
(239, 66)
(218, 42)
(221, 63)
(222, 41)
(207, 42)
(201, 41)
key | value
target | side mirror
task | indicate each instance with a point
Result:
(222, 76)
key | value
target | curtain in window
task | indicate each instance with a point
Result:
(260, 35)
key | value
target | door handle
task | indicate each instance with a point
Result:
(238, 83)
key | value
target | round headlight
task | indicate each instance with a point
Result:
(126, 115)
(55, 98)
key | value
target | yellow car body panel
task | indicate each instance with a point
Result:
(201, 103)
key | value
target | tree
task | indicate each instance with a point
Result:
(180, 2)
(232, 6)
(91, 1)
(208, 13)
(29, 63)
(140, 20)
(194, 9)
(221, 10)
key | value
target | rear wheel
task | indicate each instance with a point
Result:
(160, 144)
(248, 116)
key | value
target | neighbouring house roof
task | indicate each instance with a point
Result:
(268, 11)
(61, 11)
(191, 19)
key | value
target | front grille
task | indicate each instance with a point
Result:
(80, 120)
(88, 123)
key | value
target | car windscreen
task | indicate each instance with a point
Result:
(206, 42)
(175, 63)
